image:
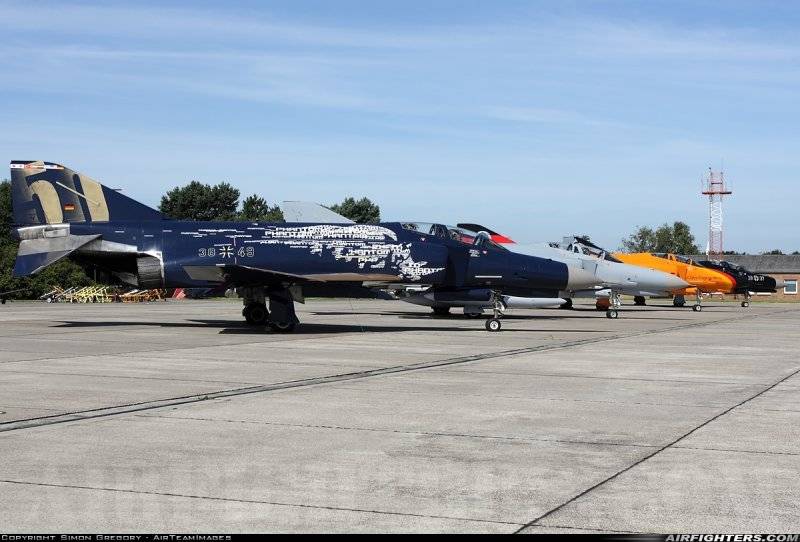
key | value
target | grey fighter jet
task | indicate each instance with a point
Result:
(615, 278)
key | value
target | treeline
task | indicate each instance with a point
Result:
(199, 201)
(676, 238)
(193, 201)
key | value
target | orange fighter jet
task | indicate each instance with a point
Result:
(701, 279)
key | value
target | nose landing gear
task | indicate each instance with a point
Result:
(746, 302)
(493, 324)
(615, 303)
(698, 303)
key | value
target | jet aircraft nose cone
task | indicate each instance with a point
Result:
(580, 279)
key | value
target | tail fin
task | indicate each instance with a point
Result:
(305, 211)
(48, 193)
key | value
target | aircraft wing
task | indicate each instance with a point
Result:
(306, 211)
(243, 274)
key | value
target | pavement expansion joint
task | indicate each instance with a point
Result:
(734, 451)
(15, 425)
(659, 450)
(254, 501)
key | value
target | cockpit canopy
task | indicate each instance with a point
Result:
(584, 246)
(460, 235)
(667, 256)
(722, 264)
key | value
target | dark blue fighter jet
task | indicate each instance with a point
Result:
(59, 213)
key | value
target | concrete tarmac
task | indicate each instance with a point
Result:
(376, 416)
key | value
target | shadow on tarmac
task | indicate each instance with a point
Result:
(228, 327)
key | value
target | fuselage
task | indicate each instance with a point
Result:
(619, 276)
(745, 281)
(200, 254)
(699, 278)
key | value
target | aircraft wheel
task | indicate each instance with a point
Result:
(473, 314)
(493, 324)
(639, 300)
(441, 311)
(256, 314)
(697, 308)
(612, 313)
(745, 304)
(566, 305)
(282, 327)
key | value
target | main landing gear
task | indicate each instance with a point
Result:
(256, 314)
(746, 302)
(282, 317)
(493, 324)
(441, 311)
(639, 301)
(678, 301)
(279, 317)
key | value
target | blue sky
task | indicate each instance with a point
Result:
(538, 119)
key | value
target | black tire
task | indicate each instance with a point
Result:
(567, 305)
(441, 311)
(256, 314)
(697, 308)
(473, 314)
(282, 327)
(639, 300)
(612, 313)
(745, 304)
(493, 325)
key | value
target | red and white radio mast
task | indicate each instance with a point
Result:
(714, 187)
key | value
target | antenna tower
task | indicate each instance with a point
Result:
(714, 187)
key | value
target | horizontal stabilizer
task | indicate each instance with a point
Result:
(306, 211)
(36, 254)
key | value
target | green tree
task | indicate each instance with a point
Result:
(776, 252)
(5, 211)
(256, 208)
(676, 238)
(643, 240)
(361, 211)
(198, 201)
